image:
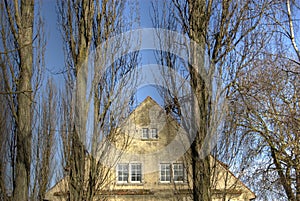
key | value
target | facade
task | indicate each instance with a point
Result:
(156, 164)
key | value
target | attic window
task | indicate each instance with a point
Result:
(149, 133)
(145, 133)
(153, 133)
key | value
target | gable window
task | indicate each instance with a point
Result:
(153, 133)
(149, 133)
(178, 172)
(136, 172)
(122, 171)
(145, 133)
(165, 172)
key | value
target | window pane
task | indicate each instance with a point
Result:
(123, 172)
(165, 172)
(178, 172)
(153, 133)
(145, 133)
(136, 172)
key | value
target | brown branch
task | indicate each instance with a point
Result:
(15, 92)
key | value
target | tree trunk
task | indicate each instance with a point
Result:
(297, 168)
(80, 55)
(298, 183)
(200, 160)
(24, 114)
(200, 156)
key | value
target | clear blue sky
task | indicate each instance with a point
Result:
(54, 56)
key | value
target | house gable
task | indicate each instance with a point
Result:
(149, 169)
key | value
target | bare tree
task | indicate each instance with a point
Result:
(268, 110)
(20, 69)
(86, 26)
(43, 140)
(264, 112)
(76, 20)
(229, 35)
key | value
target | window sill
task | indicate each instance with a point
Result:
(180, 182)
(173, 183)
(130, 184)
(149, 139)
(165, 182)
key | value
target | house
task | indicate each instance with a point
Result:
(156, 164)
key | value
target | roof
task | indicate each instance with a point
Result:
(226, 167)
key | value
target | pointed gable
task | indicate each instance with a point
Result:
(146, 112)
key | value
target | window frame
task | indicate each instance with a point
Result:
(174, 172)
(182, 170)
(165, 173)
(145, 131)
(117, 169)
(151, 133)
(130, 168)
(140, 170)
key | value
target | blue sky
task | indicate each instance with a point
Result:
(54, 55)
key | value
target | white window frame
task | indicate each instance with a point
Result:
(182, 171)
(131, 169)
(153, 133)
(128, 171)
(145, 133)
(165, 175)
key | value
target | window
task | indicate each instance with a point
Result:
(153, 133)
(171, 172)
(149, 133)
(145, 133)
(178, 172)
(122, 173)
(165, 172)
(136, 172)
(129, 173)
